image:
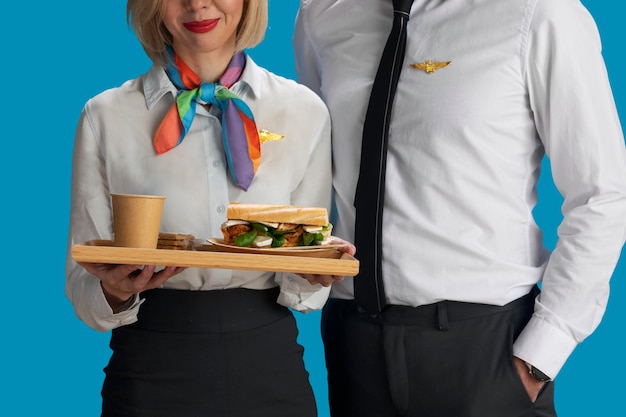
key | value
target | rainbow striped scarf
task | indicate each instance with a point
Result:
(239, 131)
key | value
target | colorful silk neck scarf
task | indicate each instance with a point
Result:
(239, 131)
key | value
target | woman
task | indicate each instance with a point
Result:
(197, 341)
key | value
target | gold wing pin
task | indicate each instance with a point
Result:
(266, 136)
(430, 66)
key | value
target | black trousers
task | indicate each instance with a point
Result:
(227, 353)
(448, 359)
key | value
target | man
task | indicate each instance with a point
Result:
(486, 89)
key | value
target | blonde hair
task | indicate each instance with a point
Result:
(146, 19)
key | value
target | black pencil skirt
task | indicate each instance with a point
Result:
(208, 353)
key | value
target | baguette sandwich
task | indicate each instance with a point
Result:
(275, 226)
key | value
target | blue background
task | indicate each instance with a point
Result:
(55, 56)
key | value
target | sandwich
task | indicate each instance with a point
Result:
(275, 226)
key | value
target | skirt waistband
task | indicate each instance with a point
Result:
(186, 311)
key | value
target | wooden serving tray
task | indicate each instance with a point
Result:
(205, 255)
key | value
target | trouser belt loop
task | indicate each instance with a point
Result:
(442, 315)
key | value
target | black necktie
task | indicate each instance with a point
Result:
(370, 191)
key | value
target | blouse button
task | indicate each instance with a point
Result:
(221, 209)
(217, 164)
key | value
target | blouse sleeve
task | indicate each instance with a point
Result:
(314, 189)
(90, 218)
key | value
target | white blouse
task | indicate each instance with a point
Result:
(113, 153)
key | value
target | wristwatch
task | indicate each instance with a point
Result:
(537, 374)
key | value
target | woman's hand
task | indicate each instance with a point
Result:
(121, 282)
(327, 280)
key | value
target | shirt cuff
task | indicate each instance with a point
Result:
(299, 294)
(107, 320)
(544, 346)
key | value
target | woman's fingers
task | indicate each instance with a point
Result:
(324, 280)
(346, 247)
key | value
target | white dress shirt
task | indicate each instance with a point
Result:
(465, 149)
(113, 153)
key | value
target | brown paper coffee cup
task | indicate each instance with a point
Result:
(137, 220)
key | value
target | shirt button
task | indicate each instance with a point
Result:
(221, 209)
(217, 164)
(211, 122)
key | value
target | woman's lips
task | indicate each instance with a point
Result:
(201, 26)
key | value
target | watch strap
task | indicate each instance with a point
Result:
(537, 374)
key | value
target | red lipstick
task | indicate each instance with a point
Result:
(201, 26)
